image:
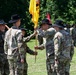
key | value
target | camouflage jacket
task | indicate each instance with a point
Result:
(13, 43)
(49, 45)
(73, 33)
(39, 37)
(67, 30)
(26, 48)
(63, 45)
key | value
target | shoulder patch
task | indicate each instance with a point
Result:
(58, 35)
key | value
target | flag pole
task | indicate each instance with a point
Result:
(35, 45)
(34, 11)
(36, 42)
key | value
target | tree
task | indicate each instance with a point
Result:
(59, 9)
(62, 9)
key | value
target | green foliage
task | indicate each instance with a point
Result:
(59, 9)
(10, 7)
(64, 9)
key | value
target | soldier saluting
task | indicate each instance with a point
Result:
(13, 46)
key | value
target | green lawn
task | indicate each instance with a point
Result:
(39, 68)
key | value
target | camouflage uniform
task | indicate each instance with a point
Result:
(63, 45)
(28, 38)
(71, 51)
(73, 33)
(14, 50)
(26, 50)
(4, 66)
(40, 38)
(49, 46)
(67, 30)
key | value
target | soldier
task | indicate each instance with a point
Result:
(39, 37)
(67, 28)
(28, 38)
(13, 46)
(49, 33)
(62, 45)
(73, 33)
(26, 49)
(4, 66)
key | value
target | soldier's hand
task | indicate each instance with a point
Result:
(56, 64)
(35, 53)
(7, 27)
(36, 47)
(35, 33)
(22, 60)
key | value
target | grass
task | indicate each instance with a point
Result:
(39, 68)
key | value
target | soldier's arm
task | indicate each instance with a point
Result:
(72, 51)
(40, 47)
(28, 38)
(20, 43)
(31, 52)
(72, 33)
(40, 39)
(57, 43)
(5, 45)
(49, 32)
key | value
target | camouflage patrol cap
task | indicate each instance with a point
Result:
(59, 23)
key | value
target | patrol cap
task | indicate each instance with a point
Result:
(2, 22)
(14, 18)
(58, 23)
(45, 21)
(23, 29)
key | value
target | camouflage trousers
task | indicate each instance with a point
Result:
(25, 68)
(4, 66)
(50, 66)
(67, 68)
(63, 68)
(16, 67)
(74, 42)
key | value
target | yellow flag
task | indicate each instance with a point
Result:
(34, 11)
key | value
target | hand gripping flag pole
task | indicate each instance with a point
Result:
(34, 11)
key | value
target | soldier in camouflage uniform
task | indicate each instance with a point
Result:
(26, 49)
(13, 47)
(4, 67)
(67, 28)
(63, 47)
(39, 38)
(73, 33)
(49, 33)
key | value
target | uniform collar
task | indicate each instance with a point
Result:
(14, 27)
